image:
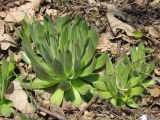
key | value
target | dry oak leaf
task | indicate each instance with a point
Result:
(17, 14)
(155, 92)
(116, 24)
(19, 98)
(6, 41)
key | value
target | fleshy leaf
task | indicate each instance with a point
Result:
(134, 81)
(136, 91)
(73, 95)
(81, 86)
(101, 61)
(89, 69)
(57, 97)
(38, 83)
(104, 95)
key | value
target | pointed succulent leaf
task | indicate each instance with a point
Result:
(101, 61)
(89, 52)
(68, 62)
(89, 69)
(73, 95)
(76, 69)
(94, 36)
(141, 53)
(73, 34)
(41, 68)
(119, 69)
(136, 91)
(100, 85)
(38, 83)
(54, 48)
(58, 69)
(26, 27)
(132, 103)
(127, 60)
(111, 84)
(82, 87)
(11, 65)
(78, 51)
(84, 31)
(114, 101)
(25, 57)
(61, 22)
(94, 77)
(134, 81)
(104, 95)
(63, 40)
(146, 70)
(57, 97)
(134, 55)
(148, 83)
(125, 76)
(45, 52)
(4, 68)
(37, 34)
(109, 66)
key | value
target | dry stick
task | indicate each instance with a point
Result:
(80, 113)
(50, 113)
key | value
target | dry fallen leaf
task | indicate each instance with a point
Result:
(6, 41)
(153, 31)
(19, 98)
(111, 9)
(17, 14)
(155, 92)
(1, 27)
(105, 43)
(116, 24)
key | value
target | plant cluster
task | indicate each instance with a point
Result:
(126, 81)
(6, 74)
(63, 56)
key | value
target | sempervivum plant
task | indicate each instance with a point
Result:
(6, 75)
(63, 53)
(126, 81)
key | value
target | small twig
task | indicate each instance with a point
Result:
(80, 112)
(50, 113)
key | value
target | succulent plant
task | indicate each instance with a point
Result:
(6, 74)
(63, 54)
(126, 81)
